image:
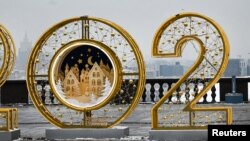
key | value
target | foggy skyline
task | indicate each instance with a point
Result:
(141, 18)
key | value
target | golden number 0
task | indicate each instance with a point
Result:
(72, 33)
(170, 40)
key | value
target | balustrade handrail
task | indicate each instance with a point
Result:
(15, 91)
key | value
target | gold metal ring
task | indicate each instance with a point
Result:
(106, 35)
(60, 56)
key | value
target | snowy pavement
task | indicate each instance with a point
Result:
(33, 125)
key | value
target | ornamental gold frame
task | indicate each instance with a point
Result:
(9, 54)
(11, 118)
(177, 53)
(5, 71)
(106, 50)
(30, 72)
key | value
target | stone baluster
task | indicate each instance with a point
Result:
(200, 86)
(148, 92)
(165, 87)
(182, 93)
(187, 92)
(156, 92)
(191, 86)
(171, 97)
(47, 94)
(178, 95)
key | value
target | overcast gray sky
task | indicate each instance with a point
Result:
(140, 18)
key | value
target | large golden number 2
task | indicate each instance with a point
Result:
(169, 41)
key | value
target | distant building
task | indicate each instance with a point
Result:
(23, 53)
(234, 68)
(248, 67)
(150, 74)
(243, 66)
(21, 60)
(152, 70)
(171, 70)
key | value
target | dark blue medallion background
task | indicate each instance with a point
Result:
(85, 55)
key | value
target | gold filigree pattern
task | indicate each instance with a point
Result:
(88, 29)
(195, 30)
(7, 54)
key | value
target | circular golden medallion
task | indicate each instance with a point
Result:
(85, 74)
